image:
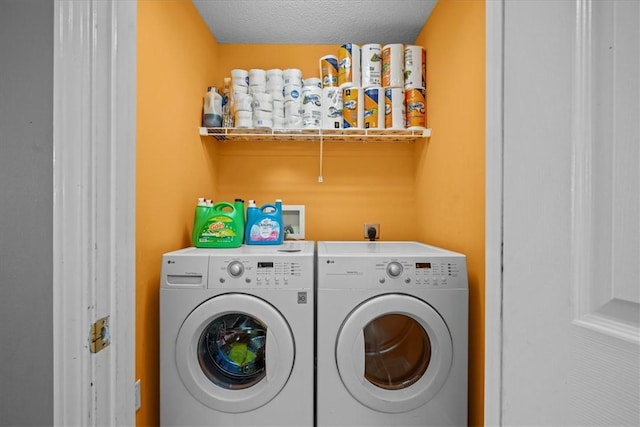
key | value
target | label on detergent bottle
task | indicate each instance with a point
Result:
(218, 229)
(265, 230)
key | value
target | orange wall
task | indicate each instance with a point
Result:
(175, 65)
(450, 178)
(362, 182)
(429, 191)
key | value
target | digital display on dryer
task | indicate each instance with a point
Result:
(423, 265)
(265, 265)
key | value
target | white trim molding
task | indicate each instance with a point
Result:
(94, 210)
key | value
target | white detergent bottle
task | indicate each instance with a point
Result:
(212, 117)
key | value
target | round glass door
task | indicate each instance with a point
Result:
(235, 352)
(397, 351)
(231, 351)
(394, 352)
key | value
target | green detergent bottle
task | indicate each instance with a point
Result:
(219, 226)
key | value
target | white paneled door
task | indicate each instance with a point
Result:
(563, 213)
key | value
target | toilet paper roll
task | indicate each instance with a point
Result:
(415, 67)
(278, 109)
(374, 108)
(262, 101)
(278, 122)
(293, 109)
(393, 65)
(262, 119)
(243, 119)
(349, 65)
(257, 89)
(312, 81)
(257, 77)
(293, 122)
(242, 102)
(274, 73)
(394, 117)
(352, 108)
(371, 65)
(416, 108)
(329, 70)
(292, 92)
(239, 89)
(240, 77)
(331, 108)
(292, 76)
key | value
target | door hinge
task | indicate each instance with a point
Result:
(100, 335)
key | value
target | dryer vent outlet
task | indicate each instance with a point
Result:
(369, 229)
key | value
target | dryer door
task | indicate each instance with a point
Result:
(235, 352)
(394, 353)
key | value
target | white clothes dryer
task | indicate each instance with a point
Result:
(391, 335)
(237, 336)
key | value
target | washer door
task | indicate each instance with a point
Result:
(235, 352)
(394, 352)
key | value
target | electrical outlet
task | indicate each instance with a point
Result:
(137, 392)
(367, 226)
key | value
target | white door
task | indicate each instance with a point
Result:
(393, 353)
(235, 353)
(563, 200)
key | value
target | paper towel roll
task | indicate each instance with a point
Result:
(394, 117)
(393, 65)
(312, 105)
(416, 106)
(374, 108)
(329, 70)
(352, 108)
(349, 65)
(331, 108)
(371, 60)
(415, 67)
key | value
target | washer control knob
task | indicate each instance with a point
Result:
(394, 269)
(235, 268)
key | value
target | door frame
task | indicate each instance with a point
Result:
(494, 143)
(94, 75)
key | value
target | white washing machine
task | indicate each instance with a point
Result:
(391, 335)
(237, 336)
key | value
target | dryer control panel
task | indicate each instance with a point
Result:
(447, 272)
(434, 273)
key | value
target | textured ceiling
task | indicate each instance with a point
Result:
(315, 21)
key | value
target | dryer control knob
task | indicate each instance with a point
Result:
(394, 269)
(235, 268)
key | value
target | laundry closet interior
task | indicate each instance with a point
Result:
(429, 189)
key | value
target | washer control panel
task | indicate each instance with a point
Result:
(254, 272)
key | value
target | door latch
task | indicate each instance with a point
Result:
(100, 335)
